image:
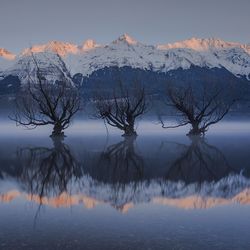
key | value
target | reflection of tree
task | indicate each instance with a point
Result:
(119, 163)
(199, 162)
(48, 171)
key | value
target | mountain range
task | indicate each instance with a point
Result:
(190, 59)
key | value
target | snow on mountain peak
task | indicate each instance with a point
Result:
(199, 44)
(125, 51)
(127, 39)
(60, 48)
(89, 44)
(6, 54)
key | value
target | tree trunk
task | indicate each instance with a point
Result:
(57, 130)
(196, 131)
(129, 131)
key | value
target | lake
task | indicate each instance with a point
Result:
(96, 190)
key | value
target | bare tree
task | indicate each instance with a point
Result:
(43, 102)
(122, 108)
(200, 109)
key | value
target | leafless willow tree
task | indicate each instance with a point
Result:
(200, 109)
(43, 102)
(121, 109)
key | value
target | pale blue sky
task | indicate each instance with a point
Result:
(27, 22)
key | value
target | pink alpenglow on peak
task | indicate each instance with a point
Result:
(200, 44)
(6, 54)
(127, 39)
(61, 48)
(89, 44)
(126, 51)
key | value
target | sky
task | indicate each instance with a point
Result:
(27, 22)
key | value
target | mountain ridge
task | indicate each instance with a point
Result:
(125, 51)
(194, 43)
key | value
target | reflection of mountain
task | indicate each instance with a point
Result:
(231, 190)
(200, 202)
(188, 176)
(62, 200)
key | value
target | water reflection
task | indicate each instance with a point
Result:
(47, 171)
(198, 162)
(118, 163)
(125, 174)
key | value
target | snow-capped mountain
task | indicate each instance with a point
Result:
(6, 60)
(126, 51)
(59, 48)
(51, 64)
(6, 54)
(204, 45)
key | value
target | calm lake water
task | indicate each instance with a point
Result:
(93, 191)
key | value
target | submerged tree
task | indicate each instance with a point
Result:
(200, 109)
(43, 102)
(122, 108)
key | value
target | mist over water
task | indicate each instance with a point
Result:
(100, 191)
